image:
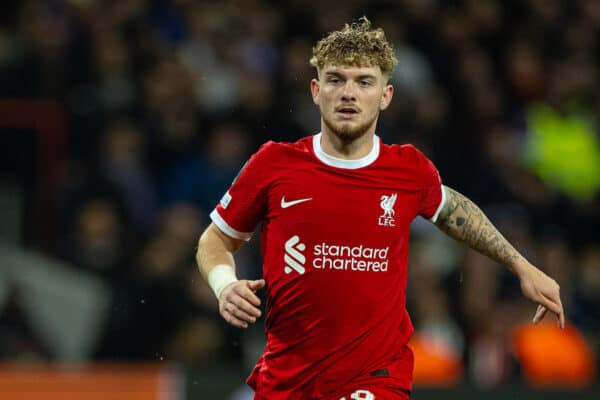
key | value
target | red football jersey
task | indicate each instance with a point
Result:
(334, 241)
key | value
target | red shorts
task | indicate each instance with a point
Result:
(392, 381)
(377, 393)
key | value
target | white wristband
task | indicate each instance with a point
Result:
(220, 276)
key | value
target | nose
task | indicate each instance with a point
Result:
(348, 93)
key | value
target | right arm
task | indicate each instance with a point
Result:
(238, 303)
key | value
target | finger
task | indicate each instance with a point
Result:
(233, 320)
(553, 305)
(561, 320)
(539, 314)
(257, 284)
(561, 316)
(246, 306)
(557, 308)
(239, 313)
(247, 293)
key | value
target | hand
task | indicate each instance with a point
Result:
(540, 288)
(238, 303)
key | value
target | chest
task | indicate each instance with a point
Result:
(341, 203)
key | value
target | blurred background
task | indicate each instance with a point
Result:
(122, 122)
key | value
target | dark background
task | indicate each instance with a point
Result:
(123, 122)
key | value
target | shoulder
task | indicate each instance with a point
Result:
(273, 150)
(407, 153)
(406, 158)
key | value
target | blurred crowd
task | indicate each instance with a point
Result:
(166, 99)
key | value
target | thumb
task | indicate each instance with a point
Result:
(539, 314)
(257, 284)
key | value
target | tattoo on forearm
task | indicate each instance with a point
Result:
(464, 221)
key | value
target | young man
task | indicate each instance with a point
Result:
(336, 209)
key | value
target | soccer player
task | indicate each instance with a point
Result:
(336, 208)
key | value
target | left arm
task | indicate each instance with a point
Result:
(462, 220)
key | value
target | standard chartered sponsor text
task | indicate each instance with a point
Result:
(354, 258)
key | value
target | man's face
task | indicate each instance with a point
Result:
(350, 99)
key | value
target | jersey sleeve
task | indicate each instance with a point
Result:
(433, 197)
(243, 206)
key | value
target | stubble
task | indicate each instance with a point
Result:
(346, 132)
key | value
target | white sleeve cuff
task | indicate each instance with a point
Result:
(227, 229)
(440, 207)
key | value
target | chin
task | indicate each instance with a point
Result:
(347, 131)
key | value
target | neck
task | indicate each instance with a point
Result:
(354, 149)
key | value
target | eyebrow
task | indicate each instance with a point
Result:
(359, 77)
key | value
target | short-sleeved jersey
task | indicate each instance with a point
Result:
(334, 241)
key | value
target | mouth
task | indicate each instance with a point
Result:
(347, 112)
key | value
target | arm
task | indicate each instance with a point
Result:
(462, 220)
(238, 303)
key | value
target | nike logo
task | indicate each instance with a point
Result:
(286, 204)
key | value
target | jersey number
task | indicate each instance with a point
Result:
(361, 395)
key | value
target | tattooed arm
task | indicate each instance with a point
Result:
(461, 219)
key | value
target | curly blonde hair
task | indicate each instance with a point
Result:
(357, 44)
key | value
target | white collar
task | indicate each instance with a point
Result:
(341, 162)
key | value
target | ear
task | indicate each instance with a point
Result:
(315, 90)
(386, 97)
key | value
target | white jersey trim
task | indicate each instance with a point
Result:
(439, 209)
(227, 229)
(341, 162)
